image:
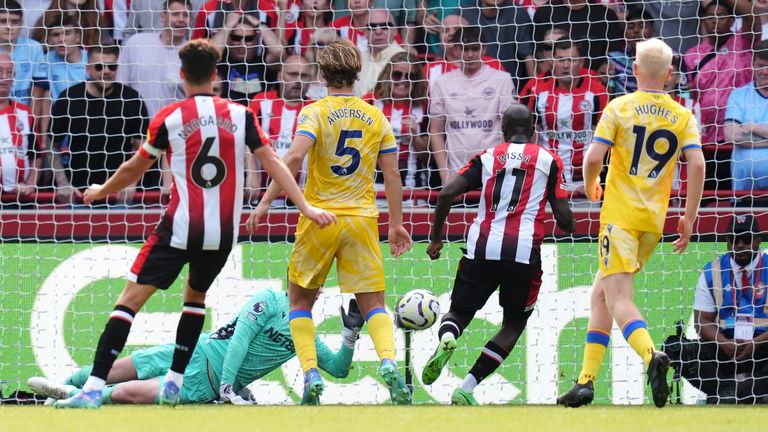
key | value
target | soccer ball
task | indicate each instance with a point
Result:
(418, 310)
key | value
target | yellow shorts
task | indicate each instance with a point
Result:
(353, 241)
(624, 250)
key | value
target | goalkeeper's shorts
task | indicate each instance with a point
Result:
(353, 241)
(155, 361)
(624, 250)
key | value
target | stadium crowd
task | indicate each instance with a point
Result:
(82, 78)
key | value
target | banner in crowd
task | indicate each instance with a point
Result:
(56, 299)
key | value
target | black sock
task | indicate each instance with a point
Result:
(112, 340)
(490, 359)
(450, 325)
(187, 333)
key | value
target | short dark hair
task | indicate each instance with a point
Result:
(566, 44)
(104, 49)
(468, 35)
(186, 3)
(61, 19)
(199, 58)
(715, 3)
(760, 51)
(638, 14)
(11, 7)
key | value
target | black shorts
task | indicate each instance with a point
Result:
(477, 279)
(159, 264)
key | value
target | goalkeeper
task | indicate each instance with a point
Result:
(224, 362)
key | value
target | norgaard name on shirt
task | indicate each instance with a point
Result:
(196, 123)
(656, 110)
(349, 113)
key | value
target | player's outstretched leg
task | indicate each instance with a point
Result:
(451, 328)
(44, 387)
(597, 340)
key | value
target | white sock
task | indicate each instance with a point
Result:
(176, 377)
(469, 383)
(94, 383)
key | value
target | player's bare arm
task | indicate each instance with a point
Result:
(399, 239)
(563, 215)
(128, 174)
(695, 169)
(593, 163)
(456, 187)
(284, 178)
(293, 159)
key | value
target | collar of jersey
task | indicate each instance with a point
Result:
(341, 94)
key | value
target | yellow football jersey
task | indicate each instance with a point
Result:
(349, 136)
(646, 132)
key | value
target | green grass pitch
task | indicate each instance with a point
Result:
(384, 418)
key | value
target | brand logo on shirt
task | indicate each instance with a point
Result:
(585, 105)
(279, 338)
(258, 307)
(302, 119)
(489, 92)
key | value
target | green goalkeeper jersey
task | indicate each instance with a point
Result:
(258, 341)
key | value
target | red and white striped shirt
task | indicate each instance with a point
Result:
(567, 118)
(396, 112)
(15, 130)
(516, 181)
(278, 120)
(205, 139)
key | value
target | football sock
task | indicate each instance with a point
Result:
(106, 395)
(594, 351)
(110, 345)
(303, 335)
(469, 383)
(78, 378)
(636, 333)
(450, 326)
(380, 330)
(490, 359)
(188, 331)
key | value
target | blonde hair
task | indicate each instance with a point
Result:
(654, 58)
(383, 89)
(340, 63)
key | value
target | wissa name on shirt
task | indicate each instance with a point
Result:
(503, 158)
(342, 113)
(196, 123)
(656, 110)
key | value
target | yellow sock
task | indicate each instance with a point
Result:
(380, 329)
(636, 333)
(303, 334)
(594, 351)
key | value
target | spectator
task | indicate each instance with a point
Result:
(638, 27)
(149, 62)
(248, 49)
(16, 137)
(314, 15)
(27, 54)
(721, 62)
(451, 53)
(466, 106)
(212, 16)
(746, 126)
(401, 94)
(277, 115)
(96, 125)
(676, 87)
(731, 319)
(317, 43)
(430, 14)
(677, 22)
(66, 58)
(143, 16)
(33, 10)
(355, 27)
(508, 34)
(543, 54)
(589, 24)
(85, 13)
(567, 108)
(382, 45)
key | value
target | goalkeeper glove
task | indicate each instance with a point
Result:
(353, 321)
(227, 395)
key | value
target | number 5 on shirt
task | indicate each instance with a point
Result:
(343, 150)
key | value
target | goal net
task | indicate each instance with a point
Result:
(89, 75)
